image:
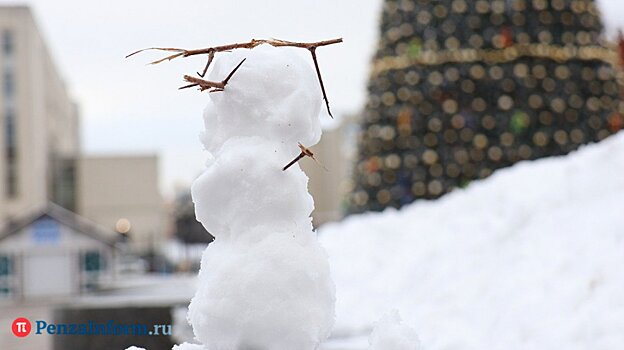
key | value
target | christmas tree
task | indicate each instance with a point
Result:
(461, 88)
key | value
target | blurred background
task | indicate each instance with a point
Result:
(98, 152)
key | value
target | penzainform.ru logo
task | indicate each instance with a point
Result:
(22, 327)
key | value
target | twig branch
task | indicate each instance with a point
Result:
(318, 74)
(292, 162)
(212, 86)
(305, 152)
(211, 56)
(211, 51)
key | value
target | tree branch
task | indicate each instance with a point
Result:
(212, 86)
(305, 152)
(211, 56)
(318, 74)
(211, 51)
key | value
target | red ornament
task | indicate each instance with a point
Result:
(507, 36)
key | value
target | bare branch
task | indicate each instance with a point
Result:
(203, 84)
(211, 51)
(187, 86)
(292, 162)
(156, 48)
(211, 56)
(212, 86)
(305, 152)
(248, 45)
(168, 58)
(225, 81)
(318, 74)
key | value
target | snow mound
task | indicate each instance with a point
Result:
(188, 346)
(391, 334)
(530, 258)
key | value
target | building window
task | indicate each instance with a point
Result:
(63, 182)
(10, 119)
(8, 44)
(10, 131)
(11, 180)
(5, 266)
(92, 265)
(92, 261)
(9, 84)
(6, 275)
(46, 231)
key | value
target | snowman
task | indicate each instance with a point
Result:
(264, 282)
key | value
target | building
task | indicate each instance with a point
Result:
(53, 252)
(330, 177)
(187, 229)
(39, 122)
(121, 193)
(40, 158)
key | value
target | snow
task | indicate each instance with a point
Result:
(134, 348)
(274, 94)
(188, 346)
(391, 334)
(247, 190)
(264, 282)
(530, 258)
(181, 329)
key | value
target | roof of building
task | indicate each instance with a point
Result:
(65, 217)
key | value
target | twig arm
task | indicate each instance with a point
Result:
(318, 74)
(211, 56)
(207, 84)
(225, 81)
(211, 51)
(292, 162)
(203, 84)
(247, 45)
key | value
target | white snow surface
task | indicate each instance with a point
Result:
(264, 282)
(274, 94)
(188, 346)
(244, 190)
(391, 334)
(530, 258)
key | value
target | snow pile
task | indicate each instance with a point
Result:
(391, 334)
(264, 282)
(530, 258)
(187, 346)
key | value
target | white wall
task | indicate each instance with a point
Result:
(50, 267)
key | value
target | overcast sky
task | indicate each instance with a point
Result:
(128, 107)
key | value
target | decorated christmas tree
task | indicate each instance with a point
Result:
(461, 88)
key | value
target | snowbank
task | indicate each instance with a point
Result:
(391, 334)
(530, 258)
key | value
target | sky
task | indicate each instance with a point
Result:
(128, 107)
